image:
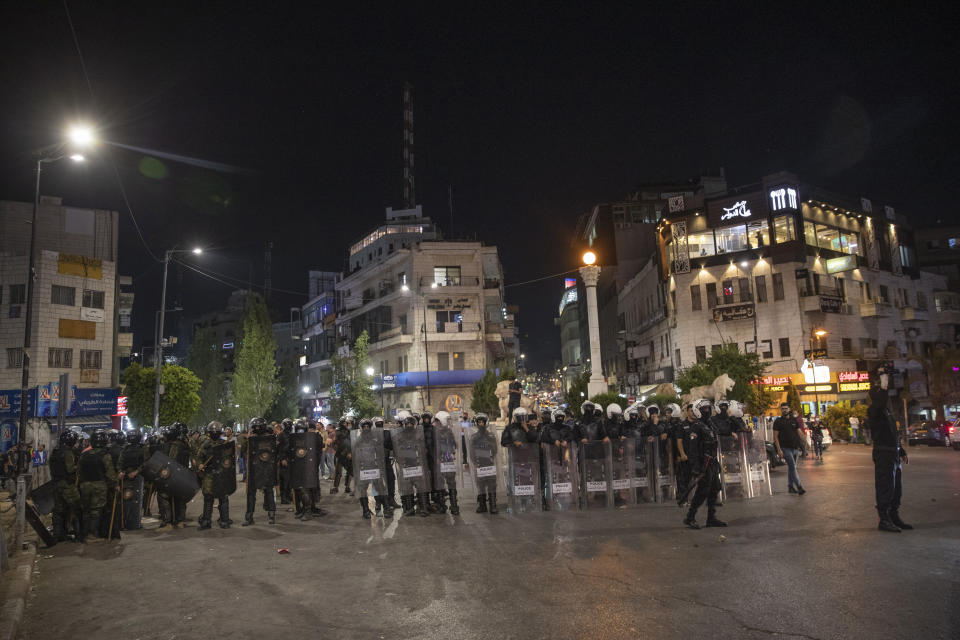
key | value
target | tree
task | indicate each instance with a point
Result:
(205, 361)
(793, 399)
(943, 381)
(484, 395)
(759, 400)
(287, 403)
(178, 403)
(743, 368)
(577, 392)
(255, 381)
(837, 418)
(351, 391)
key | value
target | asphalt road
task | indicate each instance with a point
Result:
(808, 567)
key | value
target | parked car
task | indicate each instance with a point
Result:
(930, 432)
(954, 434)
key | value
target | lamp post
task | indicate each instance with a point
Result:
(79, 136)
(426, 342)
(158, 348)
(819, 333)
(590, 273)
(370, 373)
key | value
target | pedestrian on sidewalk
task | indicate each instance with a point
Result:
(816, 435)
(787, 439)
(41, 472)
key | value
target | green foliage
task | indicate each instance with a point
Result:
(793, 399)
(837, 418)
(604, 399)
(760, 399)
(943, 383)
(577, 392)
(287, 403)
(484, 395)
(506, 374)
(206, 362)
(661, 400)
(741, 367)
(255, 381)
(350, 376)
(178, 403)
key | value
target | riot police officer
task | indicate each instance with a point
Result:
(445, 461)
(408, 447)
(368, 456)
(888, 452)
(483, 451)
(704, 463)
(66, 496)
(391, 497)
(217, 464)
(132, 458)
(342, 464)
(260, 451)
(165, 502)
(97, 475)
(283, 443)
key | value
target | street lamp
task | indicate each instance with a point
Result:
(590, 273)
(76, 137)
(158, 350)
(819, 333)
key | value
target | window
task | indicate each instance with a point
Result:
(59, 358)
(884, 293)
(711, 295)
(761, 283)
(716, 348)
(766, 347)
(446, 276)
(731, 239)
(403, 323)
(458, 360)
(743, 284)
(15, 358)
(443, 361)
(784, 229)
(784, 347)
(90, 359)
(63, 295)
(402, 278)
(92, 299)
(816, 283)
(906, 255)
(695, 303)
(846, 346)
(727, 291)
(701, 244)
(400, 368)
(842, 288)
(443, 317)
(701, 354)
(18, 293)
(778, 286)
(921, 301)
(406, 366)
(758, 234)
(676, 355)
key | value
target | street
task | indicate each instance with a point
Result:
(808, 567)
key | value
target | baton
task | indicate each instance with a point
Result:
(113, 513)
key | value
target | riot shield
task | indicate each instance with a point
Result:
(757, 463)
(483, 456)
(410, 455)
(368, 462)
(170, 477)
(222, 466)
(261, 456)
(43, 497)
(732, 467)
(131, 508)
(303, 460)
(561, 476)
(446, 468)
(595, 475)
(623, 457)
(666, 481)
(644, 464)
(523, 478)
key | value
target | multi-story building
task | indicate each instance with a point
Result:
(568, 319)
(434, 311)
(938, 250)
(319, 337)
(821, 286)
(224, 326)
(75, 291)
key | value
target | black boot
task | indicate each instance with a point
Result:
(454, 507)
(365, 504)
(895, 519)
(407, 505)
(422, 508)
(691, 519)
(247, 520)
(206, 516)
(439, 501)
(712, 520)
(224, 508)
(387, 507)
(271, 517)
(482, 503)
(492, 499)
(378, 502)
(59, 531)
(885, 523)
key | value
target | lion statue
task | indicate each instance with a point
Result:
(503, 395)
(665, 389)
(716, 392)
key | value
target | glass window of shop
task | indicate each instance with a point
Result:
(701, 244)
(784, 229)
(731, 239)
(832, 238)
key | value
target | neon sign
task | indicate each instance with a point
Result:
(738, 210)
(783, 198)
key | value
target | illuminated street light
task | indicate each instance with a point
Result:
(820, 333)
(306, 389)
(77, 157)
(404, 288)
(197, 251)
(589, 258)
(433, 285)
(369, 371)
(81, 135)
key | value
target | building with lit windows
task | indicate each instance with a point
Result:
(568, 319)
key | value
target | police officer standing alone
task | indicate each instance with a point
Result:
(704, 465)
(887, 453)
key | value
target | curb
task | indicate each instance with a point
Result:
(14, 587)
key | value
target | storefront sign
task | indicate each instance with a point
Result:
(737, 209)
(843, 263)
(733, 312)
(662, 375)
(818, 388)
(853, 376)
(121, 406)
(451, 304)
(831, 304)
(814, 373)
(848, 387)
(775, 380)
(783, 198)
(774, 387)
(91, 315)
(813, 354)
(82, 266)
(453, 404)
(389, 382)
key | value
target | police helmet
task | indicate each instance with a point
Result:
(214, 430)
(287, 424)
(426, 418)
(68, 438)
(614, 410)
(115, 436)
(402, 415)
(257, 424)
(735, 409)
(520, 414)
(442, 417)
(134, 436)
(673, 408)
(300, 425)
(170, 433)
(366, 424)
(704, 406)
(586, 409)
(99, 439)
(558, 416)
(378, 422)
(481, 419)
(409, 421)
(694, 411)
(723, 405)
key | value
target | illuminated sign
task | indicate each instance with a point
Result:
(846, 387)
(813, 354)
(853, 376)
(121, 406)
(569, 282)
(843, 263)
(733, 312)
(814, 373)
(228, 345)
(774, 387)
(818, 388)
(783, 198)
(738, 210)
(775, 380)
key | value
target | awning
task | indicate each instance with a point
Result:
(646, 389)
(86, 423)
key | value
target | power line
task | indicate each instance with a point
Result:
(237, 281)
(556, 275)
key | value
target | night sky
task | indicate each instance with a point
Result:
(531, 113)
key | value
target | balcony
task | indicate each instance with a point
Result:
(491, 283)
(427, 282)
(392, 338)
(948, 316)
(913, 314)
(876, 309)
